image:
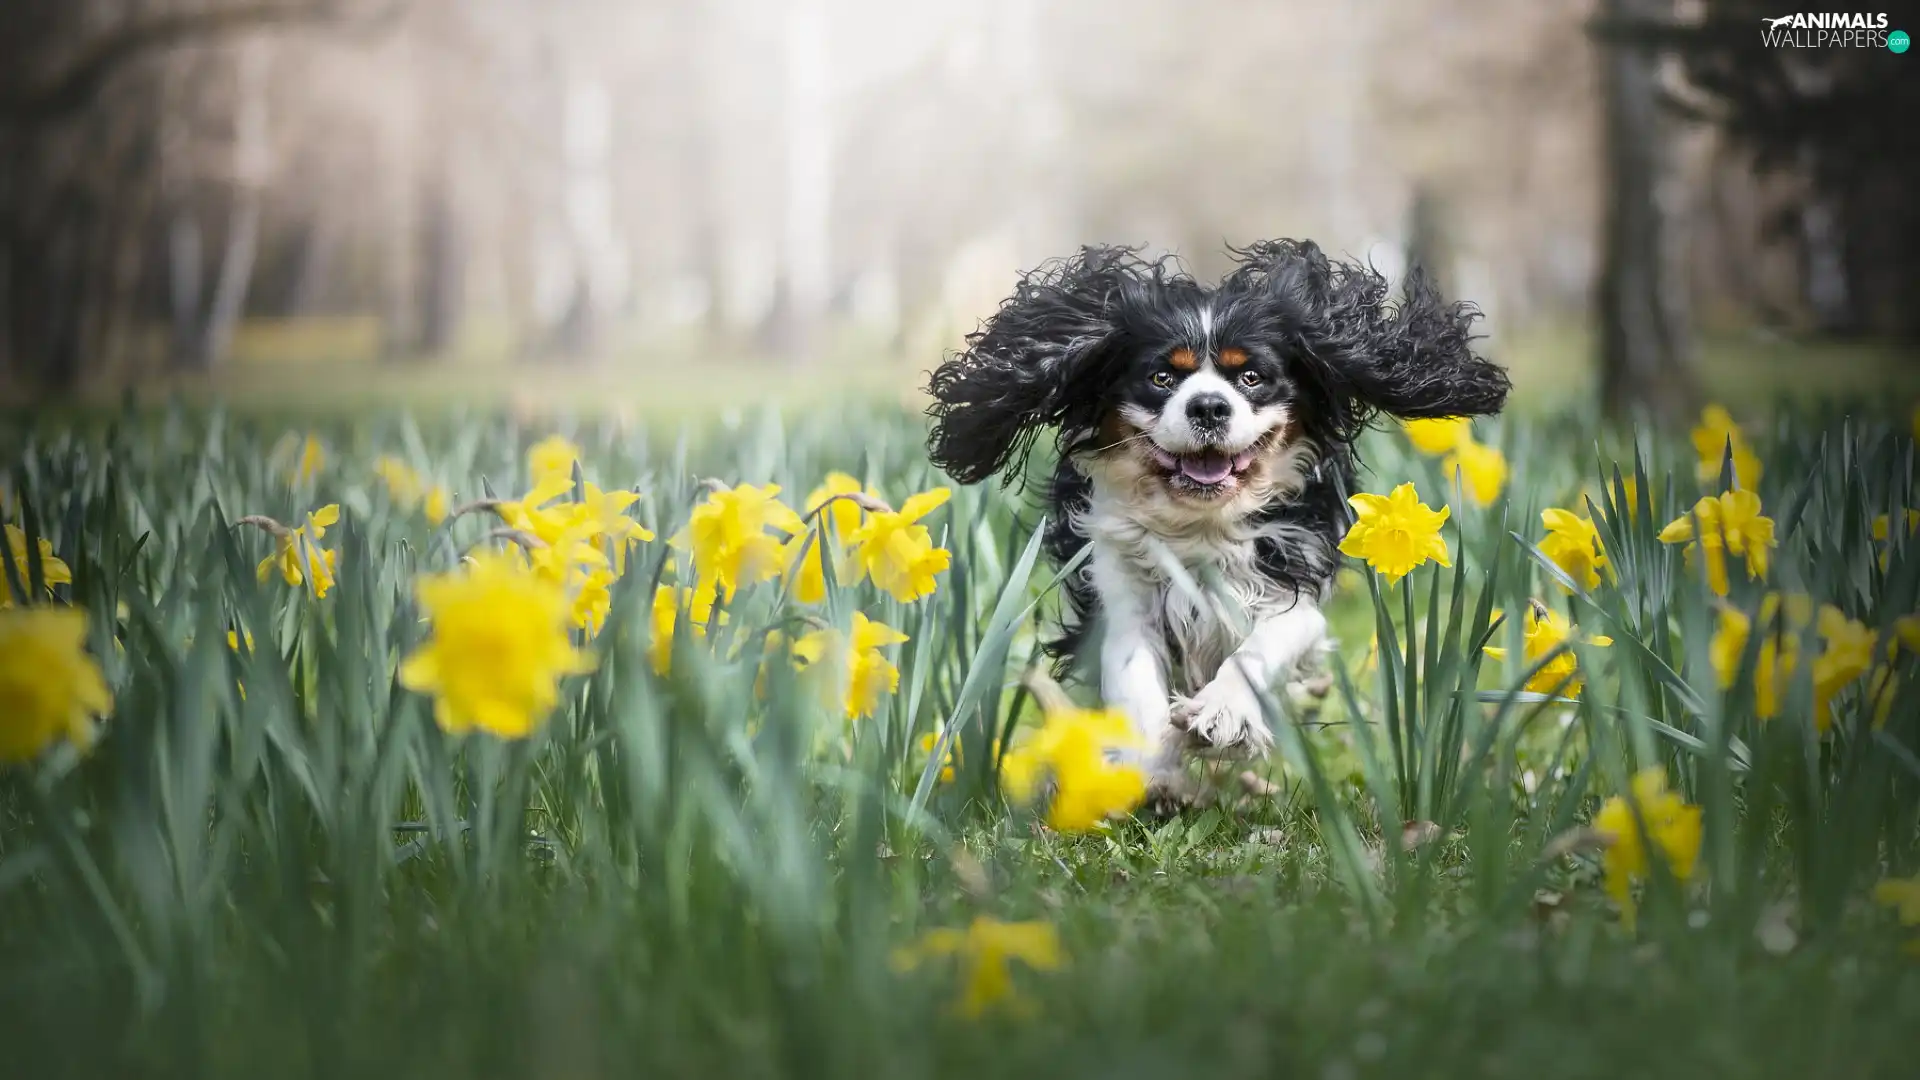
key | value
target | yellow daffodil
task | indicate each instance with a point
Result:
(606, 513)
(1883, 531)
(897, 552)
(985, 950)
(858, 674)
(1906, 631)
(668, 603)
(1846, 655)
(1544, 632)
(1902, 894)
(403, 483)
(1630, 489)
(1573, 543)
(437, 504)
(312, 459)
(844, 514)
(50, 688)
(1779, 651)
(552, 457)
(1482, 471)
(407, 488)
(953, 756)
(300, 558)
(1717, 433)
(1436, 437)
(1730, 523)
(834, 516)
(1396, 533)
(1671, 823)
(498, 649)
(805, 559)
(1091, 759)
(592, 600)
(728, 536)
(52, 570)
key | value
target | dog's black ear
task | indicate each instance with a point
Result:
(1042, 360)
(1413, 359)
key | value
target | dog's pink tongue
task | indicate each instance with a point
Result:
(1208, 468)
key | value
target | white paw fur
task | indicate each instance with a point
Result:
(1225, 717)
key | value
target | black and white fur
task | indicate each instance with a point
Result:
(1205, 433)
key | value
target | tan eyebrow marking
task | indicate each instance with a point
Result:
(1184, 359)
(1232, 357)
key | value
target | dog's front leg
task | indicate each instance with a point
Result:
(1226, 714)
(1133, 676)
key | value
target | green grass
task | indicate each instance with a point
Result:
(687, 876)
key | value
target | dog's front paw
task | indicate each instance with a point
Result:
(1224, 718)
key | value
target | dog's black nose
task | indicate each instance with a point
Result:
(1209, 410)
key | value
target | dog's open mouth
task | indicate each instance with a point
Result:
(1205, 470)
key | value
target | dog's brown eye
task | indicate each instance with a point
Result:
(1251, 379)
(1163, 379)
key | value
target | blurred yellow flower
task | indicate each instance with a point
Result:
(1779, 652)
(1573, 543)
(668, 603)
(436, 506)
(592, 600)
(897, 552)
(1711, 441)
(1091, 757)
(606, 513)
(300, 558)
(50, 688)
(407, 488)
(1630, 489)
(234, 638)
(805, 559)
(1907, 630)
(1883, 531)
(313, 458)
(1671, 823)
(1436, 437)
(728, 536)
(953, 756)
(1482, 471)
(1731, 524)
(402, 481)
(844, 514)
(1396, 533)
(858, 674)
(498, 649)
(1544, 632)
(1846, 655)
(985, 950)
(52, 570)
(567, 558)
(552, 457)
(1903, 896)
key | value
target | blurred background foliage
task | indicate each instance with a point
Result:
(630, 199)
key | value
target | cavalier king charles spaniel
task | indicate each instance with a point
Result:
(1205, 452)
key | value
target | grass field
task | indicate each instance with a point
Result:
(290, 846)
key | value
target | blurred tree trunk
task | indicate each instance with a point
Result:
(442, 265)
(208, 336)
(804, 284)
(1426, 238)
(1645, 359)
